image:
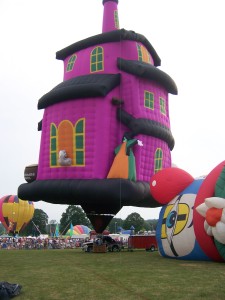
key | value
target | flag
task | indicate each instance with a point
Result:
(57, 230)
(71, 230)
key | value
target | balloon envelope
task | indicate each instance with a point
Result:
(15, 213)
(80, 229)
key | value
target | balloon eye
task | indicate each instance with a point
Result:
(171, 219)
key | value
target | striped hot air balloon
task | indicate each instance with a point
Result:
(81, 229)
(78, 230)
(15, 213)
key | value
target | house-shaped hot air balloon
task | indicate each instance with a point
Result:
(106, 127)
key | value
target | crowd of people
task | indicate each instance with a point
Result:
(19, 243)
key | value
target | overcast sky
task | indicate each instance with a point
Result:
(188, 37)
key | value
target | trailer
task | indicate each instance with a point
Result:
(147, 242)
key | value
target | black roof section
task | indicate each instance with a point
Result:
(86, 86)
(146, 126)
(39, 126)
(108, 37)
(148, 71)
(104, 1)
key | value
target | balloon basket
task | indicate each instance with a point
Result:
(99, 248)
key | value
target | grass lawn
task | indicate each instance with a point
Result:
(73, 274)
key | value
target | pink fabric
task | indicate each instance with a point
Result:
(124, 49)
(108, 16)
(103, 132)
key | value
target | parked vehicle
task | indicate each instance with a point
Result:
(93, 234)
(111, 244)
(147, 242)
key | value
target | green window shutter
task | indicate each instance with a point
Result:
(162, 106)
(158, 160)
(116, 19)
(53, 159)
(80, 126)
(53, 130)
(79, 140)
(143, 54)
(80, 158)
(53, 145)
(139, 52)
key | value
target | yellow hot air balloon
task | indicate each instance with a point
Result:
(15, 213)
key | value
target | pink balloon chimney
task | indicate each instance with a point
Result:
(110, 16)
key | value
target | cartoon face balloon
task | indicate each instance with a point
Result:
(177, 234)
(181, 231)
(15, 214)
(175, 231)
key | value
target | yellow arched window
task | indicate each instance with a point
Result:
(69, 138)
(97, 59)
(143, 54)
(158, 159)
(71, 63)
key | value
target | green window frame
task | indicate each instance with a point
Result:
(79, 142)
(149, 100)
(158, 160)
(71, 63)
(53, 145)
(97, 59)
(162, 104)
(116, 19)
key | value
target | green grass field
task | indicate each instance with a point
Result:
(73, 274)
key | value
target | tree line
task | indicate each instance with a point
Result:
(75, 215)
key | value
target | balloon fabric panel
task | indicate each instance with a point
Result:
(206, 190)
(15, 213)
